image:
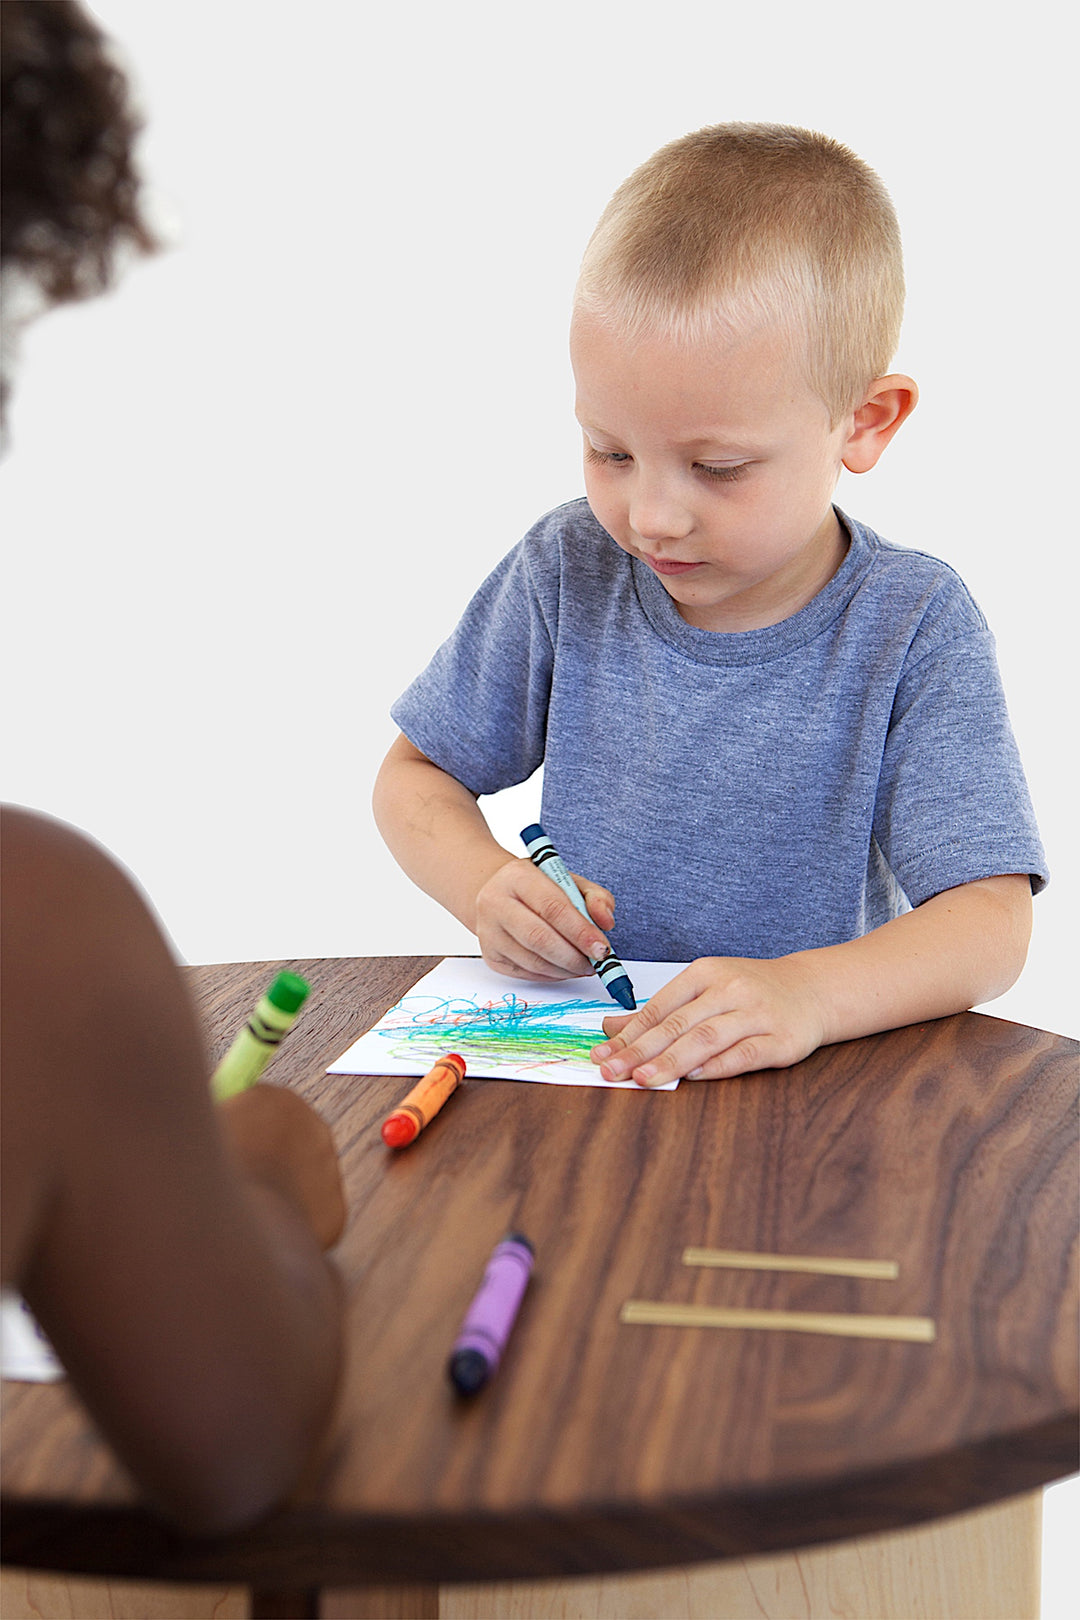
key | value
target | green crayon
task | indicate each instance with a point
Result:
(256, 1043)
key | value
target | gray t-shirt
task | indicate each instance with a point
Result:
(741, 794)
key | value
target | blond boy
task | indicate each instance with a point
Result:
(779, 742)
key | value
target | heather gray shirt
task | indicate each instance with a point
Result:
(741, 794)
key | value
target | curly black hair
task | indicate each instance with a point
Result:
(70, 195)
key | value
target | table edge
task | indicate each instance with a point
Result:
(315, 1547)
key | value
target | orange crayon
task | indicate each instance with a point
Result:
(423, 1102)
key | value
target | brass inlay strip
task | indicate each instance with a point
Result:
(825, 1265)
(658, 1313)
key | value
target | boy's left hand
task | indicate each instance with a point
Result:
(721, 1016)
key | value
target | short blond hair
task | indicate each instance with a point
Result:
(742, 223)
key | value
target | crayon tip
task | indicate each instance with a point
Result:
(288, 992)
(623, 992)
(468, 1371)
(399, 1130)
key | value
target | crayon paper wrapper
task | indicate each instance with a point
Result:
(490, 1317)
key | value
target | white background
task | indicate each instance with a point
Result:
(248, 494)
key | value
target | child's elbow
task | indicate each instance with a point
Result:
(208, 1513)
(394, 783)
(227, 1494)
(1008, 926)
(233, 1463)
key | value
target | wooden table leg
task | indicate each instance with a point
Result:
(285, 1603)
(381, 1603)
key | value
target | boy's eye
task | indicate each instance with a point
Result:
(619, 458)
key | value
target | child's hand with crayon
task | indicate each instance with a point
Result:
(279, 1141)
(528, 929)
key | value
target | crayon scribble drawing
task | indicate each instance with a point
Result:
(511, 1031)
(504, 1029)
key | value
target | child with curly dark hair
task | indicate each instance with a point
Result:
(172, 1251)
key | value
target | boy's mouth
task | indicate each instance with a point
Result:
(660, 566)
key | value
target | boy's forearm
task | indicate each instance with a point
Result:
(960, 948)
(435, 830)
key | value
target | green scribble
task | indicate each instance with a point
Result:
(508, 1031)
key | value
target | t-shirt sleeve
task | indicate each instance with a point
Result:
(953, 804)
(479, 709)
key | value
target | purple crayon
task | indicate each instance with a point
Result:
(489, 1318)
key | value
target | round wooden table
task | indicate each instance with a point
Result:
(948, 1147)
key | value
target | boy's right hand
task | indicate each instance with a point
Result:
(528, 929)
(276, 1138)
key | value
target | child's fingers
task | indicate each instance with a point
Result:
(515, 962)
(550, 921)
(700, 1043)
(279, 1139)
(528, 949)
(682, 1027)
(719, 1017)
(528, 928)
(701, 1054)
(683, 1041)
(747, 1056)
(628, 1031)
(600, 901)
(615, 1023)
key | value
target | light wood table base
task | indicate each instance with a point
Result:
(976, 1566)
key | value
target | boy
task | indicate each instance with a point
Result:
(781, 742)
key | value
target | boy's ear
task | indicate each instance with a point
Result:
(888, 402)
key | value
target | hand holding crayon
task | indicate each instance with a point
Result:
(255, 1044)
(274, 1135)
(546, 858)
(529, 929)
(279, 1140)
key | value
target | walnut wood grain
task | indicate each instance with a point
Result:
(948, 1146)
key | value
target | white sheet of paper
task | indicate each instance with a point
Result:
(25, 1352)
(505, 1029)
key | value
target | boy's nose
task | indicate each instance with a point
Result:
(656, 514)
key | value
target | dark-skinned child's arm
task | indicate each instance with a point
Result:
(172, 1252)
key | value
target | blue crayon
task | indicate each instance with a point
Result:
(546, 858)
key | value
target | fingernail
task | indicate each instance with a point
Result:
(599, 1053)
(598, 949)
(647, 1071)
(611, 1071)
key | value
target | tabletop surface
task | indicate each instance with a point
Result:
(948, 1147)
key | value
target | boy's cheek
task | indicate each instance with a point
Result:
(607, 512)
